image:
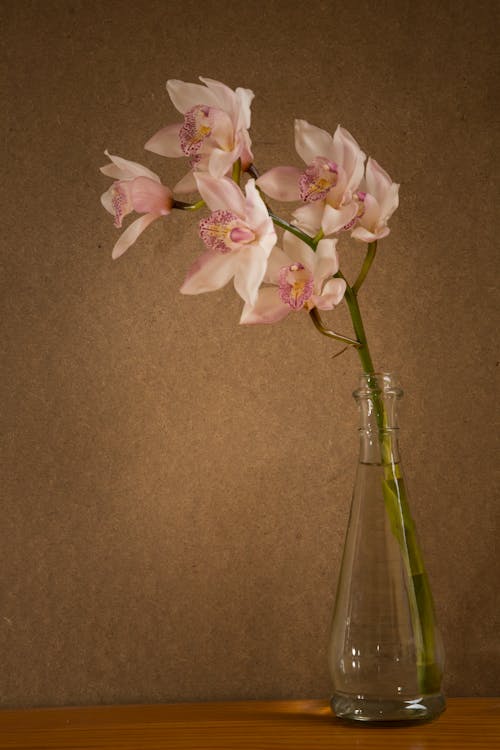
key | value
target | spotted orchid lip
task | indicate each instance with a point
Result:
(197, 127)
(359, 196)
(121, 203)
(296, 285)
(224, 231)
(318, 179)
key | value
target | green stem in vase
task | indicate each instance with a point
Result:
(402, 524)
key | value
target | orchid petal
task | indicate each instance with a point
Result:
(298, 251)
(390, 202)
(131, 234)
(335, 219)
(281, 183)
(371, 214)
(166, 141)
(149, 196)
(184, 96)
(249, 273)
(327, 262)
(377, 179)
(346, 151)
(256, 211)
(268, 308)
(224, 96)
(311, 141)
(128, 169)
(220, 194)
(211, 271)
(276, 261)
(107, 201)
(360, 233)
(245, 98)
(111, 170)
(332, 295)
(220, 162)
(310, 216)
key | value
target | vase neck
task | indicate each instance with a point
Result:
(377, 398)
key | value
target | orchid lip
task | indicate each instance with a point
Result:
(197, 127)
(224, 231)
(120, 203)
(318, 179)
(296, 286)
(241, 235)
(359, 196)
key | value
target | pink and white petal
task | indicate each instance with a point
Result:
(166, 141)
(326, 262)
(298, 251)
(249, 272)
(360, 233)
(334, 219)
(255, 210)
(332, 295)
(268, 308)
(184, 96)
(245, 98)
(111, 170)
(245, 148)
(209, 272)
(382, 232)
(148, 196)
(131, 169)
(266, 238)
(220, 161)
(390, 202)
(225, 97)
(281, 183)
(275, 262)
(222, 135)
(131, 234)
(310, 216)
(220, 194)
(106, 200)
(346, 151)
(377, 180)
(186, 184)
(311, 141)
(371, 215)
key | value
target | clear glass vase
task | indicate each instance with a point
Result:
(385, 653)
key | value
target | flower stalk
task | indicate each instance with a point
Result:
(337, 190)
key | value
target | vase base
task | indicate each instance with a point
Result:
(372, 710)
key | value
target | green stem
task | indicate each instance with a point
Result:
(311, 241)
(359, 329)
(236, 174)
(398, 511)
(316, 319)
(370, 257)
(188, 206)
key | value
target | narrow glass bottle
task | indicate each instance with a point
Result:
(385, 653)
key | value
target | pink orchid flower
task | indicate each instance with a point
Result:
(214, 133)
(136, 189)
(300, 278)
(334, 171)
(239, 235)
(377, 200)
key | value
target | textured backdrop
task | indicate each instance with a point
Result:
(175, 487)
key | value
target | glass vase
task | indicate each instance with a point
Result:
(385, 653)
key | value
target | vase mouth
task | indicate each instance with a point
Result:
(385, 383)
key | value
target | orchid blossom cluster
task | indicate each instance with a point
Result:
(337, 192)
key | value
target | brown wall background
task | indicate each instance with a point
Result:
(175, 487)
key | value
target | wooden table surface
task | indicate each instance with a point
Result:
(468, 723)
